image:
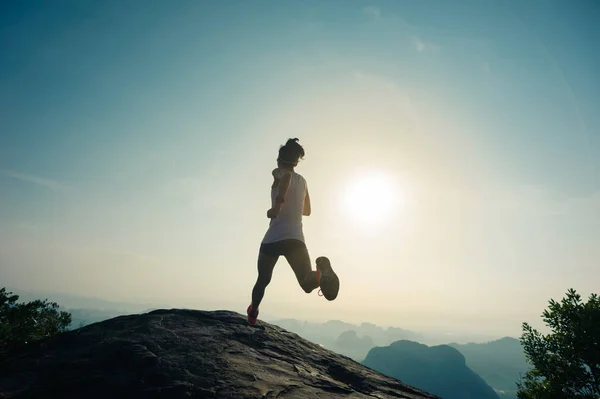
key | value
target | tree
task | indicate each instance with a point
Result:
(566, 362)
(21, 323)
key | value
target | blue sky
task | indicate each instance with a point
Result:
(137, 138)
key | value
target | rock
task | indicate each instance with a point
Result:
(189, 353)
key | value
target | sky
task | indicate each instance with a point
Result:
(137, 141)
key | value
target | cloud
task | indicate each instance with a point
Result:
(400, 27)
(422, 46)
(372, 11)
(52, 184)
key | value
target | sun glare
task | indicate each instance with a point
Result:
(370, 199)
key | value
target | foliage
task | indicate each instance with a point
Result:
(22, 323)
(566, 362)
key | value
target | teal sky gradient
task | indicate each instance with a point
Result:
(137, 140)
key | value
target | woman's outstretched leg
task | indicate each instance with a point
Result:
(266, 264)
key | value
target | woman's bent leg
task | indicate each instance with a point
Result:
(297, 256)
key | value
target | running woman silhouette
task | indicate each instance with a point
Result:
(290, 201)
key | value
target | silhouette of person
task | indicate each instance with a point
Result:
(290, 201)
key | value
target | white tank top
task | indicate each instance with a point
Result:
(288, 224)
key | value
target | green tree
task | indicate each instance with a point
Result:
(566, 362)
(21, 323)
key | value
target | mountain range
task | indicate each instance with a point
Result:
(500, 363)
(441, 369)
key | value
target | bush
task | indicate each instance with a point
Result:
(566, 362)
(22, 323)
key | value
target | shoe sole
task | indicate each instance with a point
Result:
(329, 283)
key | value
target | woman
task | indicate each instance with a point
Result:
(289, 202)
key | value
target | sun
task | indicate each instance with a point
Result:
(369, 199)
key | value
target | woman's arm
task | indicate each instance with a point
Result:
(306, 210)
(282, 182)
(284, 177)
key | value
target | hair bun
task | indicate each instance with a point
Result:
(291, 152)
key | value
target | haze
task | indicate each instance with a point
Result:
(137, 141)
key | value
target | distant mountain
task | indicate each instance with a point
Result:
(353, 346)
(70, 301)
(319, 333)
(327, 333)
(83, 310)
(356, 344)
(440, 370)
(500, 363)
(385, 336)
(84, 317)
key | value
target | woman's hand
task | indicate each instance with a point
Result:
(273, 212)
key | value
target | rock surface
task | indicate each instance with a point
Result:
(189, 353)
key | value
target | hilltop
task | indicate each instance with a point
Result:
(189, 353)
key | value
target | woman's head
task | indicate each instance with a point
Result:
(290, 153)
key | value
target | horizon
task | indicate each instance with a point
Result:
(76, 302)
(452, 162)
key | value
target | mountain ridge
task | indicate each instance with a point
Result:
(173, 353)
(439, 369)
(501, 363)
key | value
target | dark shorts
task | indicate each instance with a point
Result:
(288, 248)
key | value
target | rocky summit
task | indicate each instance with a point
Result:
(188, 353)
